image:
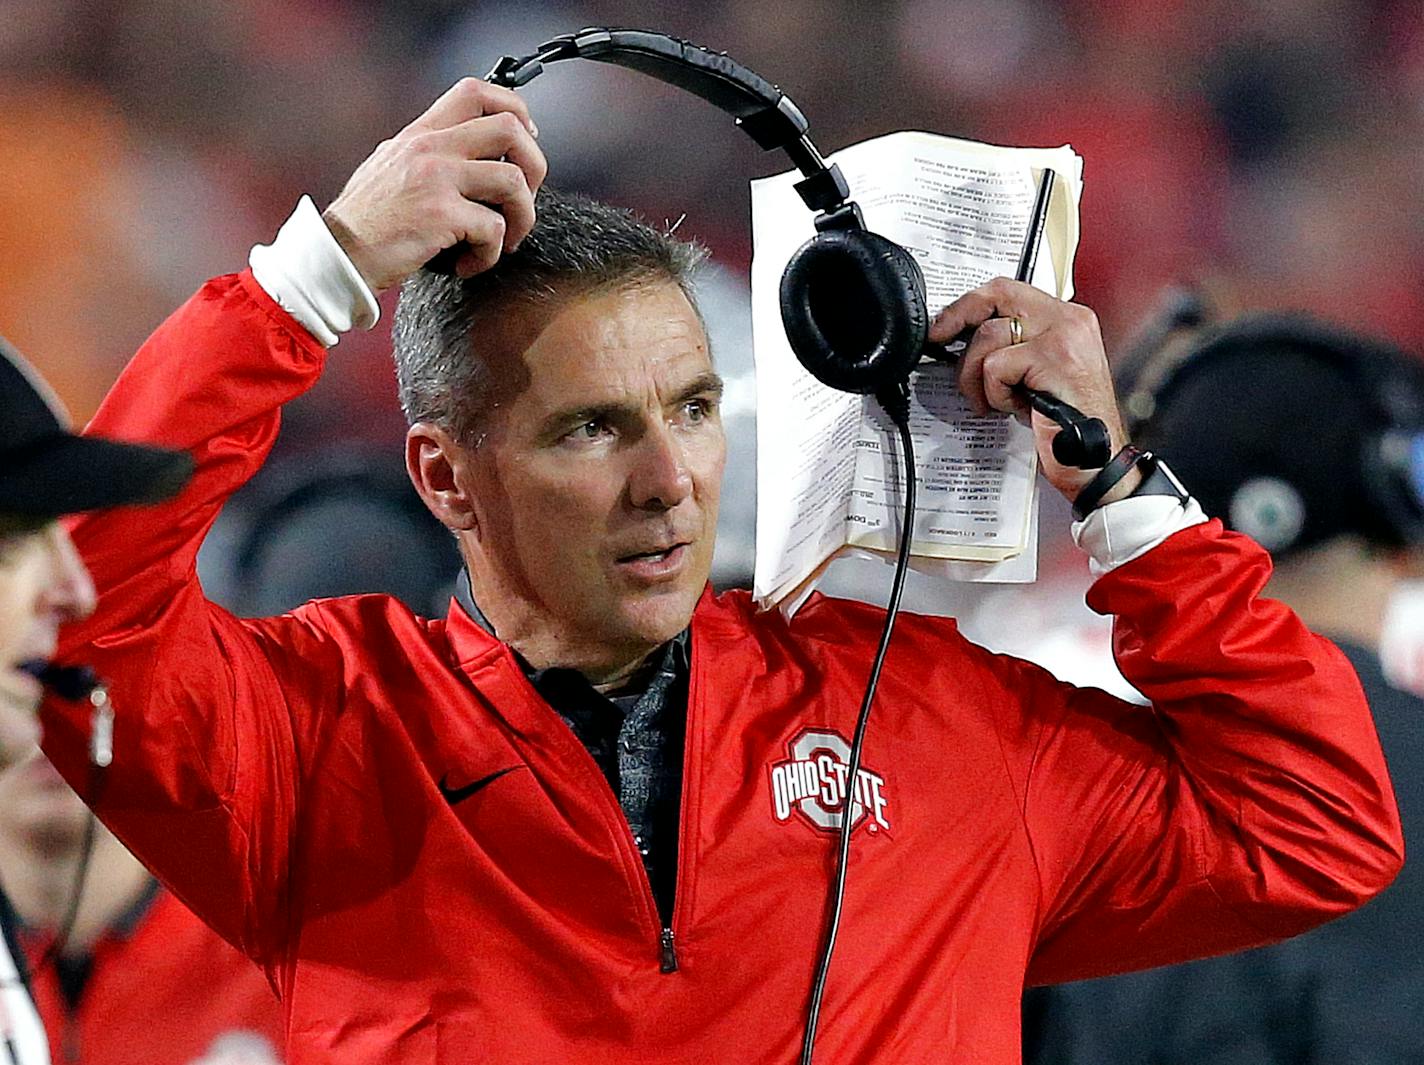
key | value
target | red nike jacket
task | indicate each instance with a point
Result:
(282, 776)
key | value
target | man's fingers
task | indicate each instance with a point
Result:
(472, 98)
(988, 337)
(496, 137)
(483, 229)
(1057, 348)
(502, 185)
(999, 298)
(969, 311)
(1003, 371)
(465, 170)
(499, 164)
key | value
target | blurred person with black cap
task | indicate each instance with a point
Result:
(47, 472)
(1310, 439)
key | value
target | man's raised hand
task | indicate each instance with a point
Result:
(1060, 352)
(466, 170)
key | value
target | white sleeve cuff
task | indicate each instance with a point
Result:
(1119, 532)
(311, 278)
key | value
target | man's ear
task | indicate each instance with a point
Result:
(439, 468)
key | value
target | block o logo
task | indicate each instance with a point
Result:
(812, 783)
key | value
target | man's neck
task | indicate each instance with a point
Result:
(38, 876)
(634, 681)
(609, 672)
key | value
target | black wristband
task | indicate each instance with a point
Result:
(1160, 481)
(1118, 467)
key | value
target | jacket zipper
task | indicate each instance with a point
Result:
(667, 940)
(70, 1041)
(667, 937)
(669, 949)
(691, 763)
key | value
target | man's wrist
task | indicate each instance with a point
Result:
(1124, 488)
(1116, 480)
(1157, 480)
(1118, 531)
(308, 274)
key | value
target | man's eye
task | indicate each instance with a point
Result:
(698, 409)
(590, 430)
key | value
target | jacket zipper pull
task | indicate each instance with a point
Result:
(669, 950)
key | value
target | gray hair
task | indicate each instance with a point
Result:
(577, 246)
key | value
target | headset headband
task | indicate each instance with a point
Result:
(758, 107)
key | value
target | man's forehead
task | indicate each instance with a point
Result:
(619, 337)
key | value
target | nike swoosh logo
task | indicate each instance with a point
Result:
(454, 795)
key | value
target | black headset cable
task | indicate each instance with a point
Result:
(897, 406)
(74, 683)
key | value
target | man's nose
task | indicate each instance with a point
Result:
(71, 591)
(659, 479)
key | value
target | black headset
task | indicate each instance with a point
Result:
(298, 489)
(852, 302)
(1387, 388)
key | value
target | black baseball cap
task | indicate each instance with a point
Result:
(47, 471)
(1291, 430)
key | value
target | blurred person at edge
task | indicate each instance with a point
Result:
(1310, 439)
(549, 826)
(46, 472)
(137, 980)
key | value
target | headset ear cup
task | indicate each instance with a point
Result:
(853, 304)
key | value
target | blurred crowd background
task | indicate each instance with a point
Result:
(1266, 153)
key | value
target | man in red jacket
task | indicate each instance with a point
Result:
(592, 820)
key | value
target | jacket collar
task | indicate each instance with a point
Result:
(474, 649)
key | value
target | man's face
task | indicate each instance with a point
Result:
(42, 585)
(595, 487)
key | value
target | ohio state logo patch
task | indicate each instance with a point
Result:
(811, 784)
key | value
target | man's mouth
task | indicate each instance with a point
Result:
(651, 556)
(658, 562)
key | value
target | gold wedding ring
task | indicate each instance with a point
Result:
(1015, 330)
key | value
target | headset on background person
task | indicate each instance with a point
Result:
(337, 523)
(1348, 459)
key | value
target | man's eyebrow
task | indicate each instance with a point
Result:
(571, 416)
(704, 384)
